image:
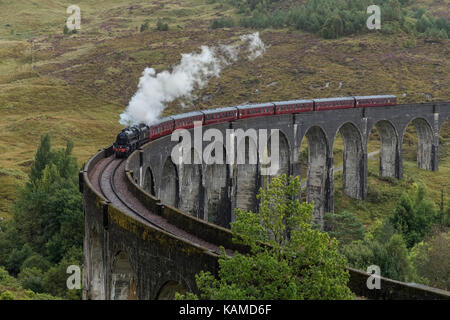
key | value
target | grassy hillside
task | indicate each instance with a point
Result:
(75, 86)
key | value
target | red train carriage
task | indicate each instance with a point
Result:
(129, 139)
(293, 106)
(334, 103)
(256, 110)
(162, 128)
(375, 101)
(186, 120)
(220, 115)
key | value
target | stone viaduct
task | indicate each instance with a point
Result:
(129, 254)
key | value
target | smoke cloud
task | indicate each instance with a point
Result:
(192, 73)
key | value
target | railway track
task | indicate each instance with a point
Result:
(108, 178)
(115, 163)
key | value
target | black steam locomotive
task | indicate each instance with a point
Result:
(129, 139)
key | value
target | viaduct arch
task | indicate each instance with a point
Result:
(128, 257)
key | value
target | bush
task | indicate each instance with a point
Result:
(17, 257)
(431, 259)
(32, 279)
(144, 27)
(391, 257)
(160, 26)
(414, 219)
(7, 295)
(226, 22)
(411, 43)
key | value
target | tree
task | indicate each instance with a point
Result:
(47, 225)
(333, 27)
(431, 259)
(31, 278)
(36, 261)
(344, 227)
(17, 257)
(391, 257)
(55, 279)
(446, 216)
(41, 159)
(398, 265)
(287, 258)
(413, 219)
(50, 203)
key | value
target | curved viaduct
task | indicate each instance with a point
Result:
(151, 225)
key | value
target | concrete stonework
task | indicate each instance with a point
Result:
(125, 259)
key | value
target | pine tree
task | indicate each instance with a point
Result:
(344, 227)
(41, 160)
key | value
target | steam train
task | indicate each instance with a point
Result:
(131, 138)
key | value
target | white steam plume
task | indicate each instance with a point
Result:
(193, 72)
(255, 45)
